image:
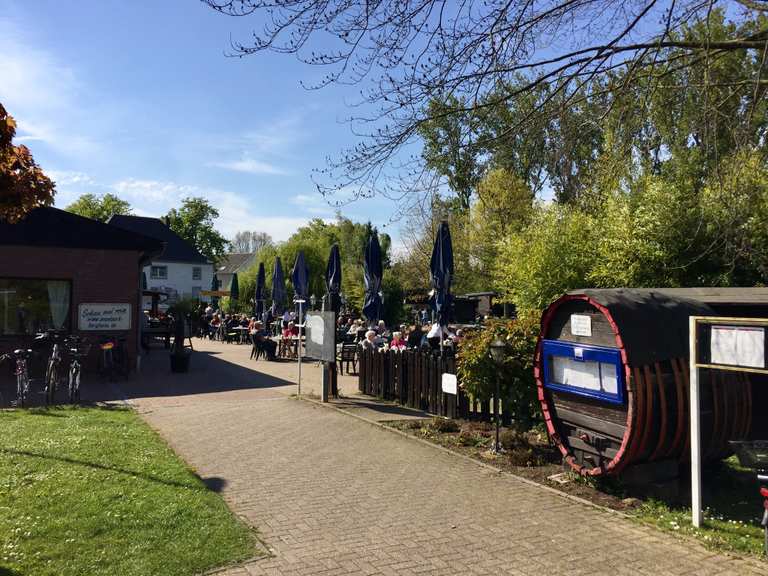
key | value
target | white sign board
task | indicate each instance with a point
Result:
(581, 325)
(450, 385)
(100, 316)
(738, 346)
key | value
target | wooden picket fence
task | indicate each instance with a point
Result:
(413, 378)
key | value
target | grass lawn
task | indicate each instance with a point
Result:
(733, 510)
(96, 491)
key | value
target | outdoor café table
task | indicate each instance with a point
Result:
(243, 330)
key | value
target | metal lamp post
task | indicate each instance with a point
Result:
(498, 353)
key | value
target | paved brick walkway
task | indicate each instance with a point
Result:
(331, 494)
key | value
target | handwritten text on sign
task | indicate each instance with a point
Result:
(104, 316)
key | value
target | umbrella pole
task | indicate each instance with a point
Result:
(298, 347)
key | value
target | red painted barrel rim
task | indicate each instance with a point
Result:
(616, 464)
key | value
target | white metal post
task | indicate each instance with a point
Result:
(696, 515)
(298, 345)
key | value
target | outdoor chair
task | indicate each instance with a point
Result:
(348, 354)
(257, 350)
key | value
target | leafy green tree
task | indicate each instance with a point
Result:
(99, 208)
(478, 372)
(23, 185)
(552, 255)
(450, 148)
(194, 222)
(316, 239)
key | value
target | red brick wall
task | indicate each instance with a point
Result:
(96, 276)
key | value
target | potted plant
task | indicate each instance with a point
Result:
(180, 355)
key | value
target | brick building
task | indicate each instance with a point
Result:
(62, 271)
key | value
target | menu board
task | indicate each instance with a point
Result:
(100, 316)
(738, 346)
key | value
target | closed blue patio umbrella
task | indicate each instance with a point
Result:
(441, 268)
(258, 297)
(234, 291)
(333, 279)
(214, 287)
(300, 277)
(372, 271)
(278, 288)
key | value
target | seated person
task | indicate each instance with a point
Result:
(381, 328)
(369, 342)
(262, 340)
(414, 337)
(397, 343)
(291, 330)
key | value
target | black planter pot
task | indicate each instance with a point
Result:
(180, 362)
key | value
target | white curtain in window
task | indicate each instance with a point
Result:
(58, 300)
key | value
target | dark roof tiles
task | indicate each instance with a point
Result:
(176, 248)
(45, 226)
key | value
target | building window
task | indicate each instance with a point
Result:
(159, 272)
(197, 273)
(32, 306)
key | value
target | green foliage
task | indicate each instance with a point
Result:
(194, 223)
(96, 491)
(99, 208)
(449, 148)
(553, 254)
(316, 239)
(444, 425)
(478, 372)
(23, 184)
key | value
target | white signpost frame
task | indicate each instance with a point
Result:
(736, 347)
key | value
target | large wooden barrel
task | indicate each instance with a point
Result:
(613, 381)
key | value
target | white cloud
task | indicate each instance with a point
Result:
(70, 178)
(166, 193)
(249, 166)
(236, 211)
(42, 93)
(313, 204)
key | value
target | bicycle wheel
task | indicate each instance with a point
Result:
(22, 388)
(51, 382)
(74, 383)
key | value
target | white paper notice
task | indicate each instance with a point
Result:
(449, 383)
(316, 329)
(581, 325)
(738, 346)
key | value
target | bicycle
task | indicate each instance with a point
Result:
(113, 357)
(52, 372)
(21, 358)
(78, 351)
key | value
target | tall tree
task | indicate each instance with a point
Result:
(99, 207)
(194, 221)
(249, 241)
(23, 185)
(241, 243)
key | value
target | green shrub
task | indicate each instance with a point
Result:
(478, 372)
(444, 425)
(523, 456)
(512, 438)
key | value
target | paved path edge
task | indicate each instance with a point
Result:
(645, 525)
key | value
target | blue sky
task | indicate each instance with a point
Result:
(136, 98)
